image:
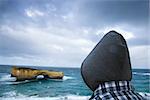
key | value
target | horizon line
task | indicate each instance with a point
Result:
(24, 65)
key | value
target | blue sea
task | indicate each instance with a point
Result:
(71, 87)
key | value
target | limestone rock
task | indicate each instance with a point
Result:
(23, 73)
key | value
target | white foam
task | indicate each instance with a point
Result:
(64, 78)
(71, 97)
(14, 83)
(145, 95)
(67, 97)
(136, 73)
(40, 77)
(10, 94)
(7, 77)
(67, 78)
(14, 96)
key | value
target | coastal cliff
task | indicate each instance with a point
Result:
(22, 73)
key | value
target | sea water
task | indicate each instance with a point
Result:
(71, 87)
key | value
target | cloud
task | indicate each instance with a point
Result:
(30, 12)
(139, 56)
(111, 12)
(43, 45)
(63, 33)
(57, 47)
(127, 34)
(68, 17)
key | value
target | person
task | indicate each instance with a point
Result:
(107, 70)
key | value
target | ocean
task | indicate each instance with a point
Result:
(71, 87)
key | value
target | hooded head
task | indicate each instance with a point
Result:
(108, 61)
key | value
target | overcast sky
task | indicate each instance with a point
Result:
(62, 32)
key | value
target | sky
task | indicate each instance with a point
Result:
(62, 33)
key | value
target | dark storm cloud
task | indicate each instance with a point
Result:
(111, 12)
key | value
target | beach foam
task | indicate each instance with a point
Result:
(69, 97)
(145, 95)
(75, 97)
(23, 97)
(12, 95)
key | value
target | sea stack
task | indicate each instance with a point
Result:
(23, 73)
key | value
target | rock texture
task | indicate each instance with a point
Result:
(22, 73)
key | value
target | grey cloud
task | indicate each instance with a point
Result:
(138, 42)
(10, 46)
(91, 15)
(111, 12)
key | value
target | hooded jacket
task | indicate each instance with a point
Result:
(108, 61)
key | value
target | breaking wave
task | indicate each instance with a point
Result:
(7, 79)
(136, 73)
(67, 78)
(13, 96)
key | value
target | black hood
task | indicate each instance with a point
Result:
(108, 61)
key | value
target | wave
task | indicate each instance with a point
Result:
(12, 95)
(67, 97)
(136, 73)
(63, 79)
(145, 95)
(67, 78)
(7, 79)
(49, 98)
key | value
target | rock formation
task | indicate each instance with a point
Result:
(22, 73)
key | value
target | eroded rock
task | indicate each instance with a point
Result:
(23, 73)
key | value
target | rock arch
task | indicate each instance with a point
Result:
(23, 73)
